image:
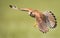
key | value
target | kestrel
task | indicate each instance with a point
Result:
(43, 19)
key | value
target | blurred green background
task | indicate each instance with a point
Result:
(18, 24)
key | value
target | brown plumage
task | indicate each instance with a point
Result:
(41, 21)
(44, 20)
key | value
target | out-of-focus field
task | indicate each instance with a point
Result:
(18, 24)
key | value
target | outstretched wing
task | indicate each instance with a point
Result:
(50, 19)
(41, 21)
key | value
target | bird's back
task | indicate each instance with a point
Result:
(41, 19)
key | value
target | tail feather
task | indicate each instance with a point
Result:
(54, 19)
(51, 19)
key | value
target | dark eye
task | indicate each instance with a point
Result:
(32, 15)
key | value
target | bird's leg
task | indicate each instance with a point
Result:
(35, 25)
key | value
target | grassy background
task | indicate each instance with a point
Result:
(18, 24)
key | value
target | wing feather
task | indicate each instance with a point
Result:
(41, 21)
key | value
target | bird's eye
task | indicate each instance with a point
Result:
(31, 14)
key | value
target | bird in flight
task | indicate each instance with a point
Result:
(43, 19)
